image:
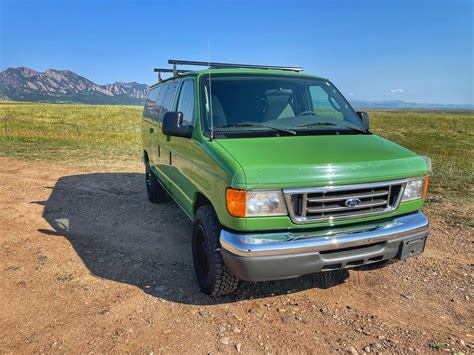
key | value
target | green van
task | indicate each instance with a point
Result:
(279, 174)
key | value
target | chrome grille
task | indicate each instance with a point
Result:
(343, 202)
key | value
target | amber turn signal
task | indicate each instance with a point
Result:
(236, 200)
(425, 188)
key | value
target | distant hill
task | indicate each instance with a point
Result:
(402, 105)
(64, 86)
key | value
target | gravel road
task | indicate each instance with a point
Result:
(87, 264)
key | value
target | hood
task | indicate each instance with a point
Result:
(299, 161)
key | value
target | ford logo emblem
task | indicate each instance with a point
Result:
(352, 202)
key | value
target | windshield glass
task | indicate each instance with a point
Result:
(249, 103)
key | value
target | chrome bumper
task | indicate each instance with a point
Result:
(333, 238)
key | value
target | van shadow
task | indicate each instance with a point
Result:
(120, 236)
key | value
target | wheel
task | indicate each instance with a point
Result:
(213, 276)
(156, 193)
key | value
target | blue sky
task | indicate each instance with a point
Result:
(418, 51)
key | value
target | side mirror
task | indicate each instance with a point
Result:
(172, 125)
(364, 117)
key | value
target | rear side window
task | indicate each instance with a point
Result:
(160, 100)
(168, 94)
(186, 102)
(151, 104)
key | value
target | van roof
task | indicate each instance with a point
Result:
(236, 71)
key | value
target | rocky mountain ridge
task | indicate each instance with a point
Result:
(65, 86)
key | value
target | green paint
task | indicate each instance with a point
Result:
(201, 167)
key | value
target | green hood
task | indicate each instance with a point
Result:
(319, 160)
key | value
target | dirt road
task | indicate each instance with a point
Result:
(87, 264)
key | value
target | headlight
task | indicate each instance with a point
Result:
(415, 188)
(242, 203)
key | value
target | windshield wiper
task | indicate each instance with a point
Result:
(331, 124)
(258, 125)
(317, 124)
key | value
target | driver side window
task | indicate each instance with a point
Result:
(323, 104)
(186, 102)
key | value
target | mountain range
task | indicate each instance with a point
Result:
(403, 105)
(64, 86)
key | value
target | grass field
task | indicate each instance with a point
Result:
(97, 136)
(87, 135)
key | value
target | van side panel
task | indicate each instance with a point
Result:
(212, 174)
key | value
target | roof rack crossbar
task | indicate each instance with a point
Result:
(232, 65)
(162, 70)
(175, 72)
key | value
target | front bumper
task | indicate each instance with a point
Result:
(272, 256)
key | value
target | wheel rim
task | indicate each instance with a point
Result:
(202, 257)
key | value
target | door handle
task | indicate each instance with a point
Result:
(151, 130)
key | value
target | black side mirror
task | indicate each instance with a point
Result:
(172, 125)
(364, 117)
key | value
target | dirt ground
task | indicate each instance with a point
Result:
(87, 264)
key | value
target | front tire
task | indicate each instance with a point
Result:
(213, 276)
(156, 193)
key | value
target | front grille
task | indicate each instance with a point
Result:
(343, 202)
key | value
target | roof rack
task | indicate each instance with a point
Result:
(215, 65)
(232, 65)
(174, 71)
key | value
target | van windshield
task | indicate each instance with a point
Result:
(249, 104)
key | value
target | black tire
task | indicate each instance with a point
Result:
(156, 193)
(213, 276)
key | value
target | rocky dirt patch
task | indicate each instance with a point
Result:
(87, 264)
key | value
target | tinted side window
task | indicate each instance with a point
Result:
(168, 98)
(186, 102)
(150, 108)
(159, 102)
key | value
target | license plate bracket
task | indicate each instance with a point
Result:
(412, 247)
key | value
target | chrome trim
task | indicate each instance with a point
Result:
(345, 187)
(360, 205)
(288, 243)
(302, 219)
(342, 197)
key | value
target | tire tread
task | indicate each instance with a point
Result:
(156, 193)
(224, 281)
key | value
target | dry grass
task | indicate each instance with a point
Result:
(75, 135)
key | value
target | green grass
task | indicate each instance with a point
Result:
(438, 346)
(70, 134)
(445, 136)
(90, 135)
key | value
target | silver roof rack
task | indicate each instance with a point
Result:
(215, 65)
(175, 72)
(232, 65)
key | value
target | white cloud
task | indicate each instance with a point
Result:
(351, 94)
(397, 91)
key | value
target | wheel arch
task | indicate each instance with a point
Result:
(146, 160)
(199, 201)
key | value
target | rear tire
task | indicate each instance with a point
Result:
(156, 193)
(213, 276)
